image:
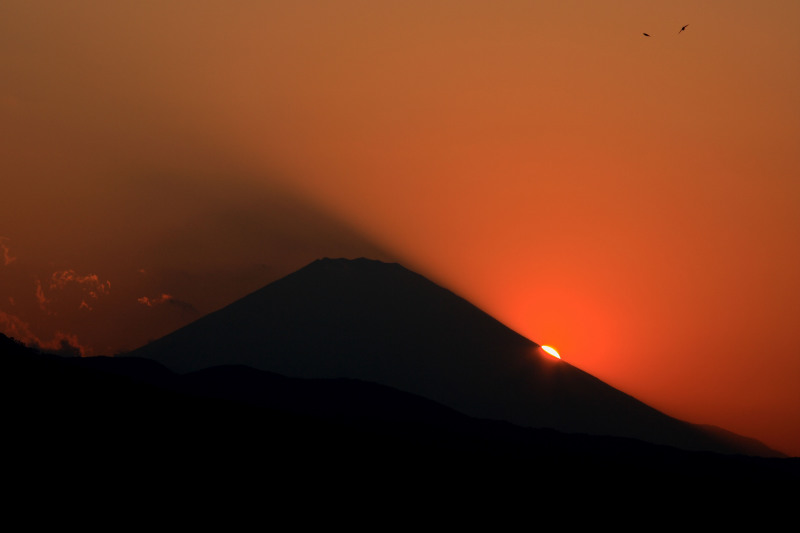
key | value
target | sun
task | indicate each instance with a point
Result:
(552, 351)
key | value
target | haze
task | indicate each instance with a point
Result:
(632, 201)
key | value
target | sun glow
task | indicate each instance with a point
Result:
(552, 351)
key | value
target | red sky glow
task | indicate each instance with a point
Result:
(633, 201)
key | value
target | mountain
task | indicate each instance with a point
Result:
(379, 322)
(121, 423)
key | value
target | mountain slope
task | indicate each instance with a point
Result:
(380, 322)
(122, 422)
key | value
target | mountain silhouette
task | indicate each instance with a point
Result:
(379, 322)
(123, 422)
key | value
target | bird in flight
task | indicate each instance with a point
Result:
(646, 34)
(683, 29)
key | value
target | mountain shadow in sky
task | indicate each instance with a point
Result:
(380, 322)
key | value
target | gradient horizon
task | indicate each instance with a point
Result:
(633, 202)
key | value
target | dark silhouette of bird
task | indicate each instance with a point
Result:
(646, 34)
(683, 29)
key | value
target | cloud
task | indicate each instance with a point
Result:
(13, 326)
(65, 344)
(89, 287)
(166, 299)
(91, 283)
(6, 251)
(83, 288)
(40, 297)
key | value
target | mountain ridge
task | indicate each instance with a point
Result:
(136, 419)
(380, 322)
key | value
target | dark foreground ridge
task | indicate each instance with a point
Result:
(379, 322)
(121, 421)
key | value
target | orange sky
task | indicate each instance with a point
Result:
(632, 201)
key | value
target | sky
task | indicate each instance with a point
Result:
(633, 201)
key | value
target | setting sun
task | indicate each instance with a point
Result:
(552, 351)
(577, 181)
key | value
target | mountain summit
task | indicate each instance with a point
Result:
(380, 322)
